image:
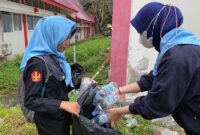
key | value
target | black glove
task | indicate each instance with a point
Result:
(77, 75)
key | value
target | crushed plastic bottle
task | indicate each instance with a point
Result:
(98, 98)
(102, 118)
(109, 88)
(107, 103)
(98, 109)
(106, 90)
(111, 99)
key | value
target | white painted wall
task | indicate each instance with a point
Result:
(138, 54)
(1, 30)
(16, 39)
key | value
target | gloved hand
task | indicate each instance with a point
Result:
(77, 75)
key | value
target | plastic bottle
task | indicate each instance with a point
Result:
(98, 98)
(102, 118)
(106, 90)
(98, 109)
(111, 99)
(109, 88)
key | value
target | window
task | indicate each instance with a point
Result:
(7, 21)
(30, 22)
(78, 30)
(36, 19)
(17, 22)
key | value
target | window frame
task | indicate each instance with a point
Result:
(28, 22)
(13, 22)
(10, 21)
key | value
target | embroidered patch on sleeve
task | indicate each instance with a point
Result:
(36, 76)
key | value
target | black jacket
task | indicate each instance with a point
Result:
(49, 119)
(174, 90)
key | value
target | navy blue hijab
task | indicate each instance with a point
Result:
(146, 14)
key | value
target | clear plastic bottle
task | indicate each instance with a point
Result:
(111, 99)
(106, 90)
(98, 98)
(102, 118)
(109, 88)
(98, 109)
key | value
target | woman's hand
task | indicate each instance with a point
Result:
(71, 107)
(113, 116)
(115, 113)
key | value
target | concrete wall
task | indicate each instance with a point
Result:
(1, 30)
(16, 39)
(141, 60)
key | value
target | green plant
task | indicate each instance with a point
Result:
(12, 122)
(9, 75)
(89, 55)
(144, 127)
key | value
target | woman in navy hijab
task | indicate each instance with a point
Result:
(174, 84)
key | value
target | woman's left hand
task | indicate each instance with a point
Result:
(115, 113)
(113, 116)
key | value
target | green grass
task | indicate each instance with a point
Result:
(144, 127)
(9, 75)
(12, 122)
(89, 55)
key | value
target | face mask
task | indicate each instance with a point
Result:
(147, 43)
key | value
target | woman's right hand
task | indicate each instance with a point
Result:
(71, 107)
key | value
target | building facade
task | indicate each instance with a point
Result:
(19, 17)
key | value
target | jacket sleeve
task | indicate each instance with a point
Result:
(33, 89)
(146, 81)
(168, 89)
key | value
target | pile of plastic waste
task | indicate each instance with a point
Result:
(105, 99)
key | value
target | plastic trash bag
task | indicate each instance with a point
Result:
(85, 124)
(77, 74)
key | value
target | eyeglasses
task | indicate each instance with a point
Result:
(71, 34)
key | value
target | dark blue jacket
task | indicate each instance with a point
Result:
(174, 90)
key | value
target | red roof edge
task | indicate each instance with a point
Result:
(60, 6)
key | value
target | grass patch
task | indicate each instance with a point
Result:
(12, 122)
(144, 127)
(9, 75)
(90, 56)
